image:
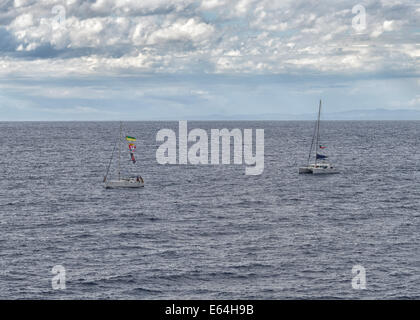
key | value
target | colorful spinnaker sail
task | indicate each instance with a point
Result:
(132, 157)
(131, 147)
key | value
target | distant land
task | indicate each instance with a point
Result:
(369, 114)
(356, 115)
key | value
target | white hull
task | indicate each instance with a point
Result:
(324, 171)
(123, 183)
(318, 169)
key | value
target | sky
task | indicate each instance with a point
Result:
(170, 59)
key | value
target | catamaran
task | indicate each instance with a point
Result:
(320, 166)
(123, 182)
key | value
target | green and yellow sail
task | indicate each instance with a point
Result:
(128, 138)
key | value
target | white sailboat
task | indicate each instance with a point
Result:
(123, 182)
(320, 165)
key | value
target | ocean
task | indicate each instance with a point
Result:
(210, 231)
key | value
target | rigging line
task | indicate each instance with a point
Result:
(110, 160)
(319, 122)
(312, 143)
(317, 137)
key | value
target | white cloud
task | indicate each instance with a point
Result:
(212, 4)
(388, 25)
(23, 21)
(209, 36)
(182, 29)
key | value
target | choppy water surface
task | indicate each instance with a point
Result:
(210, 231)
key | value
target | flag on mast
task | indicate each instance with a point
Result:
(128, 138)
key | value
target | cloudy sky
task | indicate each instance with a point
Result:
(159, 59)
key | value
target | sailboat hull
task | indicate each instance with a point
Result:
(325, 171)
(318, 169)
(123, 184)
(305, 170)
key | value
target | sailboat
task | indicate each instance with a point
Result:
(320, 164)
(123, 182)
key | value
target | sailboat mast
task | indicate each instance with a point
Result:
(317, 132)
(119, 153)
(312, 143)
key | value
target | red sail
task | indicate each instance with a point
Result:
(132, 157)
